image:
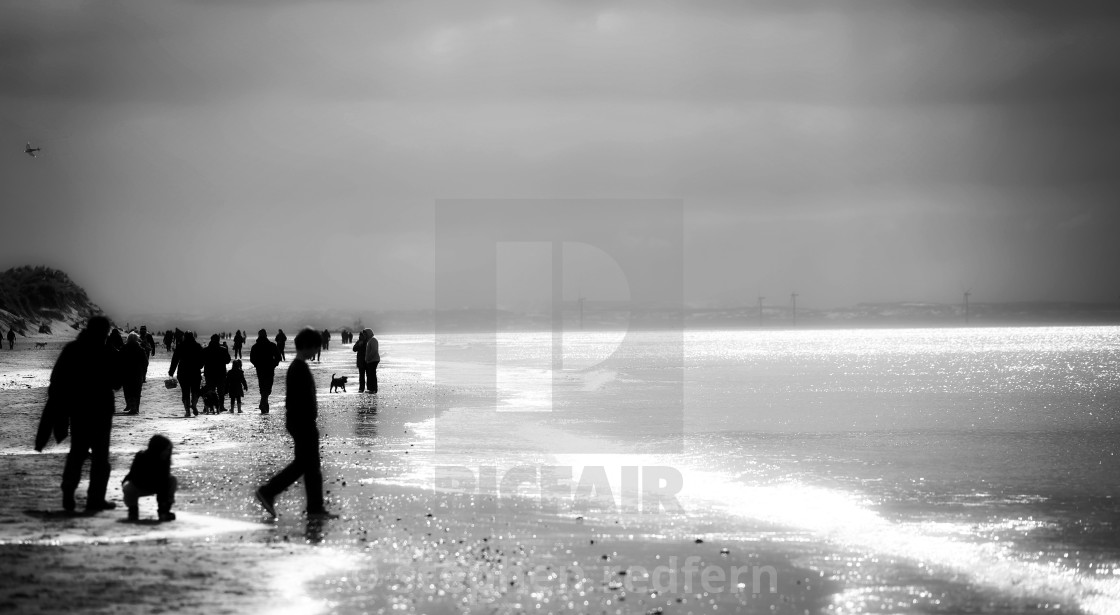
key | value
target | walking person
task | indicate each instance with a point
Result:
(373, 357)
(215, 358)
(188, 358)
(265, 356)
(236, 385)
(300, 418)
(134, 370)
(11, 338)
(80, 399)
(281, 340)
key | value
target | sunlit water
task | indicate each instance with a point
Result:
(923, 464)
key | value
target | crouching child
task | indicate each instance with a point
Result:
(150, 474)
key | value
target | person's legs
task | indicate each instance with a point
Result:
(165, 499)
(264, 381)
(361, 376)
(307, 454)
(371, 376)
(99, 462)
(72, 471)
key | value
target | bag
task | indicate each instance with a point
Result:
(170, 383)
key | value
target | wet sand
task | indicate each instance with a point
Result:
(396, 548)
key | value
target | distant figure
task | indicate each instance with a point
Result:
(265, 356)
(80, 397)
(373, 357)
(302, 413)
(11, 338)
(360, 348)
(281, 339)
(178, 337)
(134, 369)
(238, 342)
(168, 337)
(116, 340)
(236, 385)
(325, 340)
(150, 474)
(215, 358)
(147, 340)
(188, 358)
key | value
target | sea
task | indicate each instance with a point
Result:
(921, 470)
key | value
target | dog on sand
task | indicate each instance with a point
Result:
(40, 344)
(338, 382)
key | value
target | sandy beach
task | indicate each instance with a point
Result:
(397, 547)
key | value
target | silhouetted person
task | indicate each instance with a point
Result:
(373, 357)
(360, 348)
(116, 340)
(150, 474)
(178, 337)
(265, 356)
(188, 358)
(81, 396)
(134, 368)
(300, 418)
(281, 340)
(168, 337)
(215, 358)
(11, 338)
(147, 340)
(238, 342)
(236, 385)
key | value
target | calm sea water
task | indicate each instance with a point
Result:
(919, 468)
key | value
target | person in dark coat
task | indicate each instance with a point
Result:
(80, 397)
(360, 348)
(134, 369)
(215, 358)
(265, 356)
(236, 385)
(281, 340)
(11, 338)
(116, 340)
(178, 337)
(238, 342)
(188, 358)
(147, 340)
(373, 357)
(300, 418)
(150, 474)
(168, 337)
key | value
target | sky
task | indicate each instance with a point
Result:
(204, 154)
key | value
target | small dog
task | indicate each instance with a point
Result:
(210, 399)
(40, 344)
(338, 383)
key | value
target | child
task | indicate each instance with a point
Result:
(301, 415)
(236, 384)
(150, 474)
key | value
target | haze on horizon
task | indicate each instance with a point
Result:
(199, 155)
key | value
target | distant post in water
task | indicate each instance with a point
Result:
(793, 310)
(760, 298)
(966, 294)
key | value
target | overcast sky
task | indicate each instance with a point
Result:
(199, 154)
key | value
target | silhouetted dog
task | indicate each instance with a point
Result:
(338, 383)
(40, 344)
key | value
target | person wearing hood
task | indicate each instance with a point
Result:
(238, 342)
(265, 356)
(134, 369)
(116, 340)
(215, 358)
(373, 357)
(188, 358)
(360, 348)
(80, 399)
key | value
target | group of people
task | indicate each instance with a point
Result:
(81, 399)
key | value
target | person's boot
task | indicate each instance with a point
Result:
(68, 503)
(133, 514)
(166, 515)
